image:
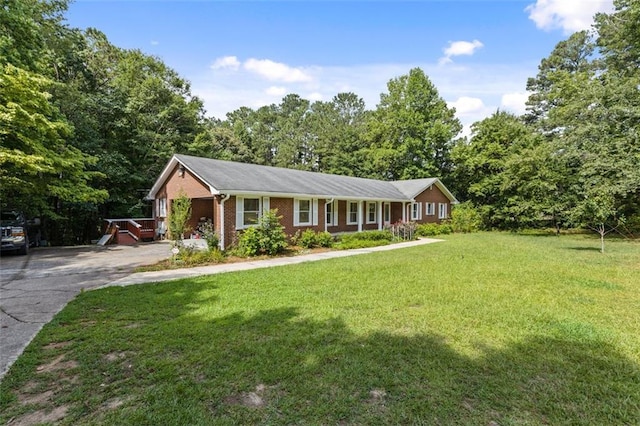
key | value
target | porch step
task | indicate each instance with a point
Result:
(125, 239)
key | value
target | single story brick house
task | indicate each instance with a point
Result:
(233, 195)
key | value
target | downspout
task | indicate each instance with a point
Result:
(327, 202)
(222, 219)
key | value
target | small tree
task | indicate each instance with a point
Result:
(180, 215)
(598, 213)
(267, 237)
(465, 218)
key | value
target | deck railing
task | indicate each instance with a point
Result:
(139, 229)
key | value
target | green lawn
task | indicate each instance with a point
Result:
(481, 329)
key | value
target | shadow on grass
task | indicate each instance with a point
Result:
(578, 248)
(181, 366)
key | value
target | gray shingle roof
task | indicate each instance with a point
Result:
(238, 178)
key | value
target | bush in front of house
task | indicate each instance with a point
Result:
(308, 238)
(431, 229)
(465, 218)
(364, 239)
(324, 239)
(190, 256)
(267, 237)
(209, 235)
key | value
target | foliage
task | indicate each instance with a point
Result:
(267, 237)
(308, 238)
(189, 256)
(431, 229)
(324, 239)
(465, 218)
(523, 329)
(179, 216)
(364, 239)
(412, 130)
(209, 234)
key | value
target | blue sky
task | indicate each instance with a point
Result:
(478, 53)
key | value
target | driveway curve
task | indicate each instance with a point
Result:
(35, 287)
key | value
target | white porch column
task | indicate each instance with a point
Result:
(360, 215)
(380, 214)
(404, 211)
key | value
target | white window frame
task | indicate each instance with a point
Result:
(331, 213)
(442, 211)
(416, 211)
(350, 212)
(370, 205)
(313, 212)
(430, 209)
(386, 212)
(161, 208)
(240, 212)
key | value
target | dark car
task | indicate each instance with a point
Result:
(16, 230)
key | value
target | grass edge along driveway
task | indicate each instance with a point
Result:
(485, 328)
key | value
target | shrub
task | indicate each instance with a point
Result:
(465, 218)
(431, 229)
(267, 237)
(428, 229)
(180, 214)
(324, 239)
(364, 239)
(209, 235)
(190, 256)
(308, 238)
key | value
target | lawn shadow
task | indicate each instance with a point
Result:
(579, 248)
(280, 367)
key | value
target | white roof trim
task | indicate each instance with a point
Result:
(165, 175)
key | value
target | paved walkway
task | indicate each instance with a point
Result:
(156, 276)
(34, 288)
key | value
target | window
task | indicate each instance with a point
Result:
(162, 207)
(372, 212)
(352, 212)
(416, 211)
(387, 213)
(305, 212)
(442, 210)
(431, 208)
(331, 217)
(302, 212)
(250, 211)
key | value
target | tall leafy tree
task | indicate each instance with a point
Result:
(337, 130)
(412, 130)
(496, 171)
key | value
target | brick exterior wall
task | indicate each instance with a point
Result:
(204, 204)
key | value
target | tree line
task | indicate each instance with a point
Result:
(86, 127)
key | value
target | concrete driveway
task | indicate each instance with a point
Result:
(35, 287)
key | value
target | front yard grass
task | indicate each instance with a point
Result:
(485, 328)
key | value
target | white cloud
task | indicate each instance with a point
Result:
(458, 48)
(155, 42)
(276, 91)
(515, 102)
(315, 96)
(567, 15)
(466, 105)
(476, 90)
(226, 62)
(276, 71)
